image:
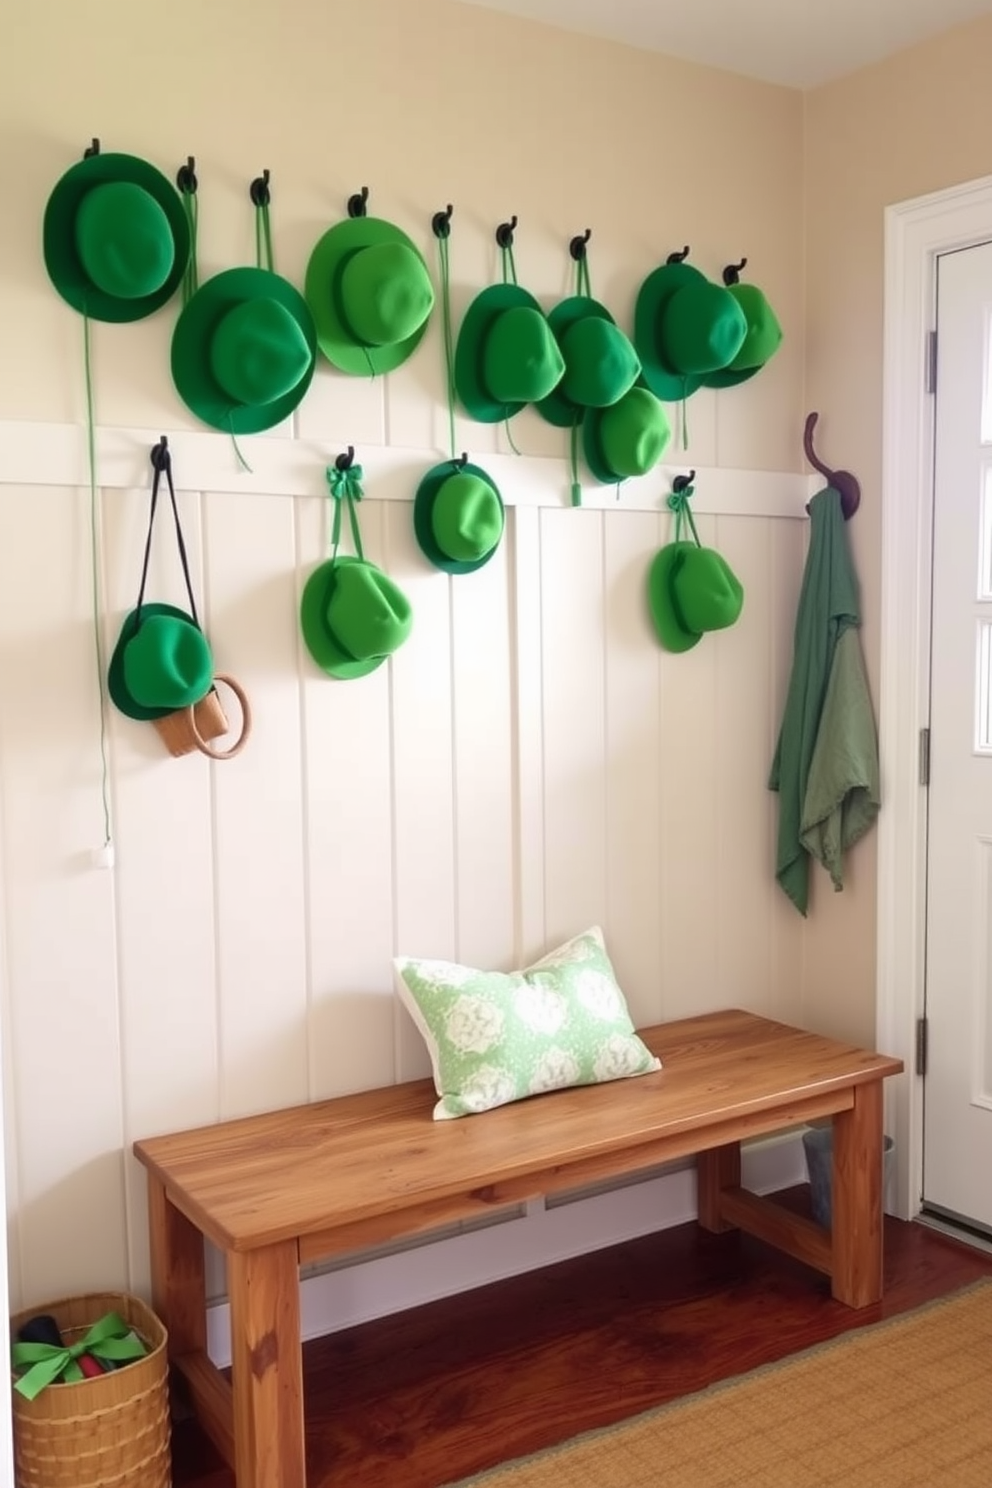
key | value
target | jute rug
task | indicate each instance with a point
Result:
(900, 1404)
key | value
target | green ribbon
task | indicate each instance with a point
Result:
(678, 502)
(111, 1339)
(346, 488)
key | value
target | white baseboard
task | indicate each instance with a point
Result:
(539, 1235)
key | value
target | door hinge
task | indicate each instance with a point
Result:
(924, 756)
(922, 1042)
(930, 362)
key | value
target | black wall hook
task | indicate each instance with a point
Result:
(358, 202)
(160, 457)
(461, 461)
(842, 481)
(441, 222)
(577, 247)
(91, 149)
(259, 190)
(681, 482)
(504, 233)
(345, 462)
(186, 176)
(678, 257)
(732, 273)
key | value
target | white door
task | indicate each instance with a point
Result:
(957, 1147)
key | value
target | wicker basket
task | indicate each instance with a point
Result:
(106, 1432)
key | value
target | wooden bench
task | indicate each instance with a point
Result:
(285, 1189)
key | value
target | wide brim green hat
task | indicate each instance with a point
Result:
(478, 325)
(640, 425)
(161, 242)
(227, 296)
(336, 337)
(711, 327)
(483, 530)
(614, 363)
(763, 338)
(691, 590)
(199, 674)
(324, 642)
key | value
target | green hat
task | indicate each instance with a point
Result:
(762, 340)
(685, 327)
(162, 661)
(627, 439)
(352, 616)
(370, 293)
(600, 362)
(506, 355)
(244, 350)
(691, 590)
(458, 517)
(115, 238)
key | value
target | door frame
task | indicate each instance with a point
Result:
(916, 232)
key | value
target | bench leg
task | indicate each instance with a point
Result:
(267, 1367)
(857, 1199)
(716, 1169)
(179, 1293)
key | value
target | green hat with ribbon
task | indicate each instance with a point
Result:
(762, 338)
(370, 294)
(352, 615)
(115, 237)
(627, 439)
(600, 362)
(691, 589)
(685, 328)
(161, 662)
(458, 516)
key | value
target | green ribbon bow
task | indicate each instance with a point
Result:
(111, 1339)
(345, 488)
(678, 502)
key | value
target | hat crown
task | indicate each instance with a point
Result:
(706, 592)
(764, 333)
(369, 615)
(600, 362)
(522, 362)
(702, 328)
(385, 293)
(634, 433)
(258, 352)
(467, 517)
(167, 662)
(124, 241)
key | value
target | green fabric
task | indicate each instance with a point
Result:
(259, 352)
(627, 439)
(600, 361)
(763, 338)
(685, 327)
(352, 617)
(506, 355)
(828, 606)
(162, 661)
(842, 792)
(370, 293)
(458, 517)
(497, 1037)
(691, 590)
(124, 240)
(41, 1364)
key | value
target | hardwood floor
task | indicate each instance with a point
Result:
(429, 1396)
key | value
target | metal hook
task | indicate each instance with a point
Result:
(160, 456)
(91, 150)
(842, 480)
(345, 462)
(259, 190)
(680, 482)
(577, 247)
(358, 202)
(732, 273)
(186, 176)
(441, 222)
(504, 233)
(460, 464)
(678, 257)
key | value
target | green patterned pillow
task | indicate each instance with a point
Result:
(496, 1037)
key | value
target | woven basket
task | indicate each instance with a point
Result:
(107, 1432)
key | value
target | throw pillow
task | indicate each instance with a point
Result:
(496, 1037)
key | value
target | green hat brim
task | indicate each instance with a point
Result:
(478, 318)
(664, 380)
(423, 511)
(731, 379)
(328, 654)
(120, 693)
(65, 267)
(671, 632)
(592, 448)
(191, 370)
(335, 340)
(556, 407)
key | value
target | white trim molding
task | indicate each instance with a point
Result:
(916, 233)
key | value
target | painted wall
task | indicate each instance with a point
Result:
(530, 763)
(913, 124)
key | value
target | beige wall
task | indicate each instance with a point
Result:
(916, 123)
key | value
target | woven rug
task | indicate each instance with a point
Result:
(900, 1404)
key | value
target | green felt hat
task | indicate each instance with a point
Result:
(506, 355)
(685, 328)
(244, 350)
(370, 293)
(352, 617)
(458, 517)
(600, 361)
(115, 238)
(626, 439)
(691, 590)
(761, 341)
(162, 661)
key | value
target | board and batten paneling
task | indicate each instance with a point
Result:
(528, 764)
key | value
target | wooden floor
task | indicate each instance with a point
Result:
(431, 1395)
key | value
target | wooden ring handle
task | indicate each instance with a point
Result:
(242, 740)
